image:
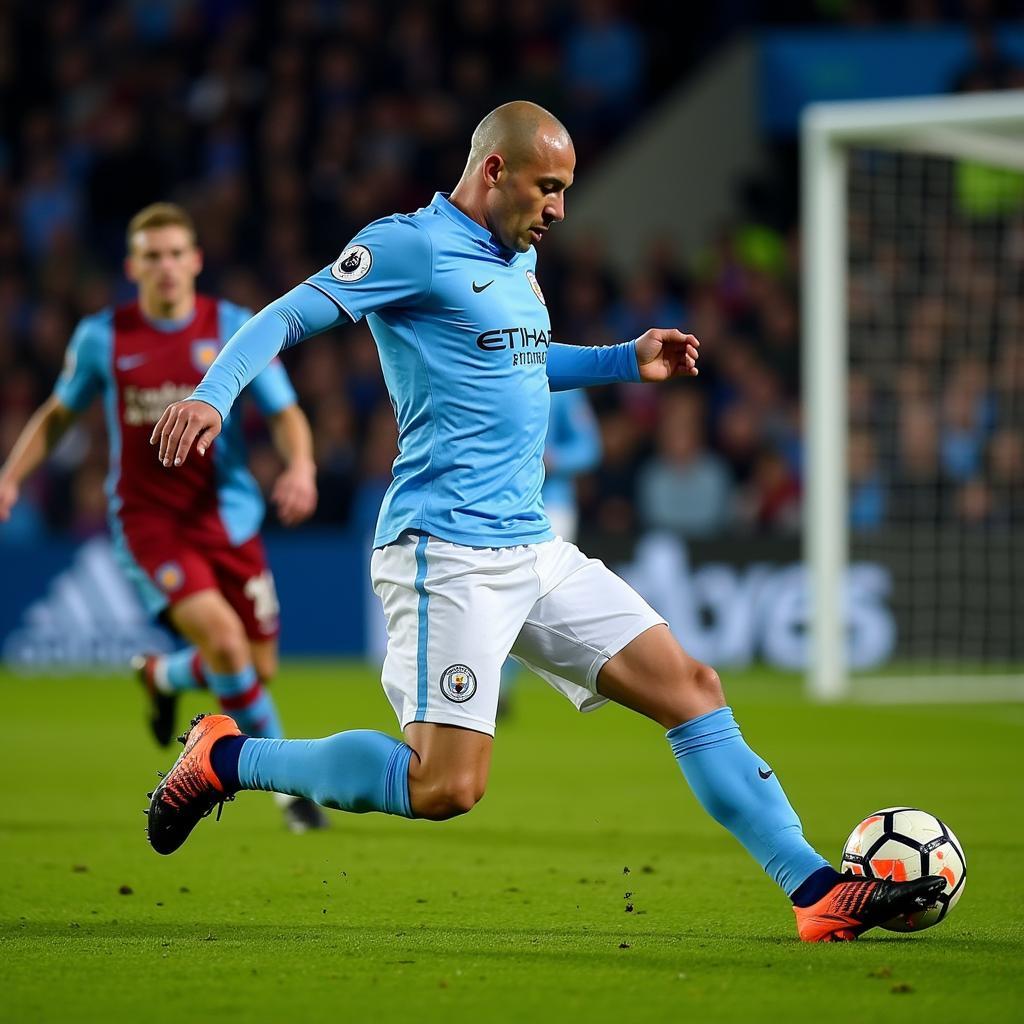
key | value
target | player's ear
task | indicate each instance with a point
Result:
(129, 269)
(492, 169)
(197, 260)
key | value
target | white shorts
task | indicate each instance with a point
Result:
(455, 613)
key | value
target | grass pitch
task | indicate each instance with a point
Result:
(588, 884)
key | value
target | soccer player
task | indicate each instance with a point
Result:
(188, 541)
(465, 563)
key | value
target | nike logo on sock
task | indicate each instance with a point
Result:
(766, 774)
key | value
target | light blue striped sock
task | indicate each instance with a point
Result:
(741, 792)
(246, 700)
(180, 670)
(356, 771)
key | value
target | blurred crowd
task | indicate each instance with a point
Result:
(286, 127)
(936, 304)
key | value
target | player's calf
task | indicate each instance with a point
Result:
(244, 698)
(739, 789)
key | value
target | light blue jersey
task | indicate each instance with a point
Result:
(464, 339)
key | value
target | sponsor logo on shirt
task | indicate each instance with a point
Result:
(146, 405)
(512, 337)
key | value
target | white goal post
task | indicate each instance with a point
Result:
(986, 128)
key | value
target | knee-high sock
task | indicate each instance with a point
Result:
(180, 670)
(739, 790)
(357, 771)
(243, 698)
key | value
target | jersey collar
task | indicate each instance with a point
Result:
(481, 235)
(168, 326)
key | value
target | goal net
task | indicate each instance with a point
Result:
(913, 287)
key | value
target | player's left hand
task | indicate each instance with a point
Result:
(294, 495)
(663, 353)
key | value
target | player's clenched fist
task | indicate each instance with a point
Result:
(182, 425)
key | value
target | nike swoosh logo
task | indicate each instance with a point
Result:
(480, 287)
(130, 362)
(766, 774)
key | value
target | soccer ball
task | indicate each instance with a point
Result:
(902, 843)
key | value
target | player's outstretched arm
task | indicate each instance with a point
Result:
(37, 439)
(663, 353)
(659, 354)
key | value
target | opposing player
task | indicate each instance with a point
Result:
(188, 541)
(465, 562)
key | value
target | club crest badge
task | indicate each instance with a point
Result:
(353, 264)
(532, 278)
(204, 352)
(458, 683)
(170, 577)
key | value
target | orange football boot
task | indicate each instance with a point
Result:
(191, 789)
(854, 905)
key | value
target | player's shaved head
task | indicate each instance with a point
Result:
(521, 161)
(518, 131)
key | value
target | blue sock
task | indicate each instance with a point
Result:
(183, 670)
(741, 792)
(816, 886)
(224, 761)
(357, 771)
(244, 698)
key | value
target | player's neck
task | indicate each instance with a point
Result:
(154, 309)
(465, 202)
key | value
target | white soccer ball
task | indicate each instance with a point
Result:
(902, 843)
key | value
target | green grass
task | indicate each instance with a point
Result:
(514, 912)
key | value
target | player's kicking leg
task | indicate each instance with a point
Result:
(654, 676)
